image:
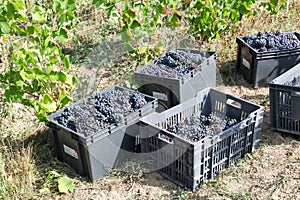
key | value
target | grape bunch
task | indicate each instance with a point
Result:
(104, 111)
(66, 119)
(100, 111)
(271, 41)
(195, 128)
(174, 64)
(137, 101)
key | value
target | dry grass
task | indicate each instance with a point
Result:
(271, 172)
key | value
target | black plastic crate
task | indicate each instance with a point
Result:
(285, 101)
(191, 163)
(172, 91)
(96, 154)
(259, 68)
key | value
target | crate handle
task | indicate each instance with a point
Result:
(234, 102)
(295, 94)
(165, 138)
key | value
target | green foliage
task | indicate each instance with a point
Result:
(37, 73)
(273, 6)
(138, 20)
(206, 19)
(210, 18)
(63, 183)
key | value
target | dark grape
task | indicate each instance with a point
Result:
(100, 111)
(174, 64)
(66, 120)
(195, 128)
(168, 61)
(137, 101)
(271, 41)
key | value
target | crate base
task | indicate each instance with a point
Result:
(94, 160)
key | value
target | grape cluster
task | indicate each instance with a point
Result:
(195, 128)
(174, 64)
(100, 111)
(104, 111)
(66, 119)
(137, 101)
(271, 41)
(293, 83)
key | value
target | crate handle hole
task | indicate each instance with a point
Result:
(296, 94)
(234, 103)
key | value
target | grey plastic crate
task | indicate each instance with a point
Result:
(172, 91)
(191, 163)
(259, 68)
(285, 101)
(96, 154)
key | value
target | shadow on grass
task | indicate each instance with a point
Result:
(229, 76)
(44, 155)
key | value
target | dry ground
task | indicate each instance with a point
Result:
(271, 172)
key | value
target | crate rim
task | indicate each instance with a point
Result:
(186, 76)
(223, 133)
(275, 82)
(109, 129)
(239, 39)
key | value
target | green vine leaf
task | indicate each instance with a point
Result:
(135, 24)
(65, 185)
(67, 61)
(174, 20)
(19, 4)
(42, 115)
(38, 15)
(48, 104)
(126, 36)
(4, 27)
(65, 99)
(129, 48)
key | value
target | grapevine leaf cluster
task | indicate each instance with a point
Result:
(36, 72)
(271, 41)
(197, 127)
(100, 111)
(137, 20)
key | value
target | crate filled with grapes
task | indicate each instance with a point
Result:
(95, 133)
(264, 56)
(285, 100)
(193, 141)
(177, 76)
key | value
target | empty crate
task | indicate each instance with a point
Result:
(189, 163)
(95, 154)
(259, 68)
(285, 101)
(172, 91)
